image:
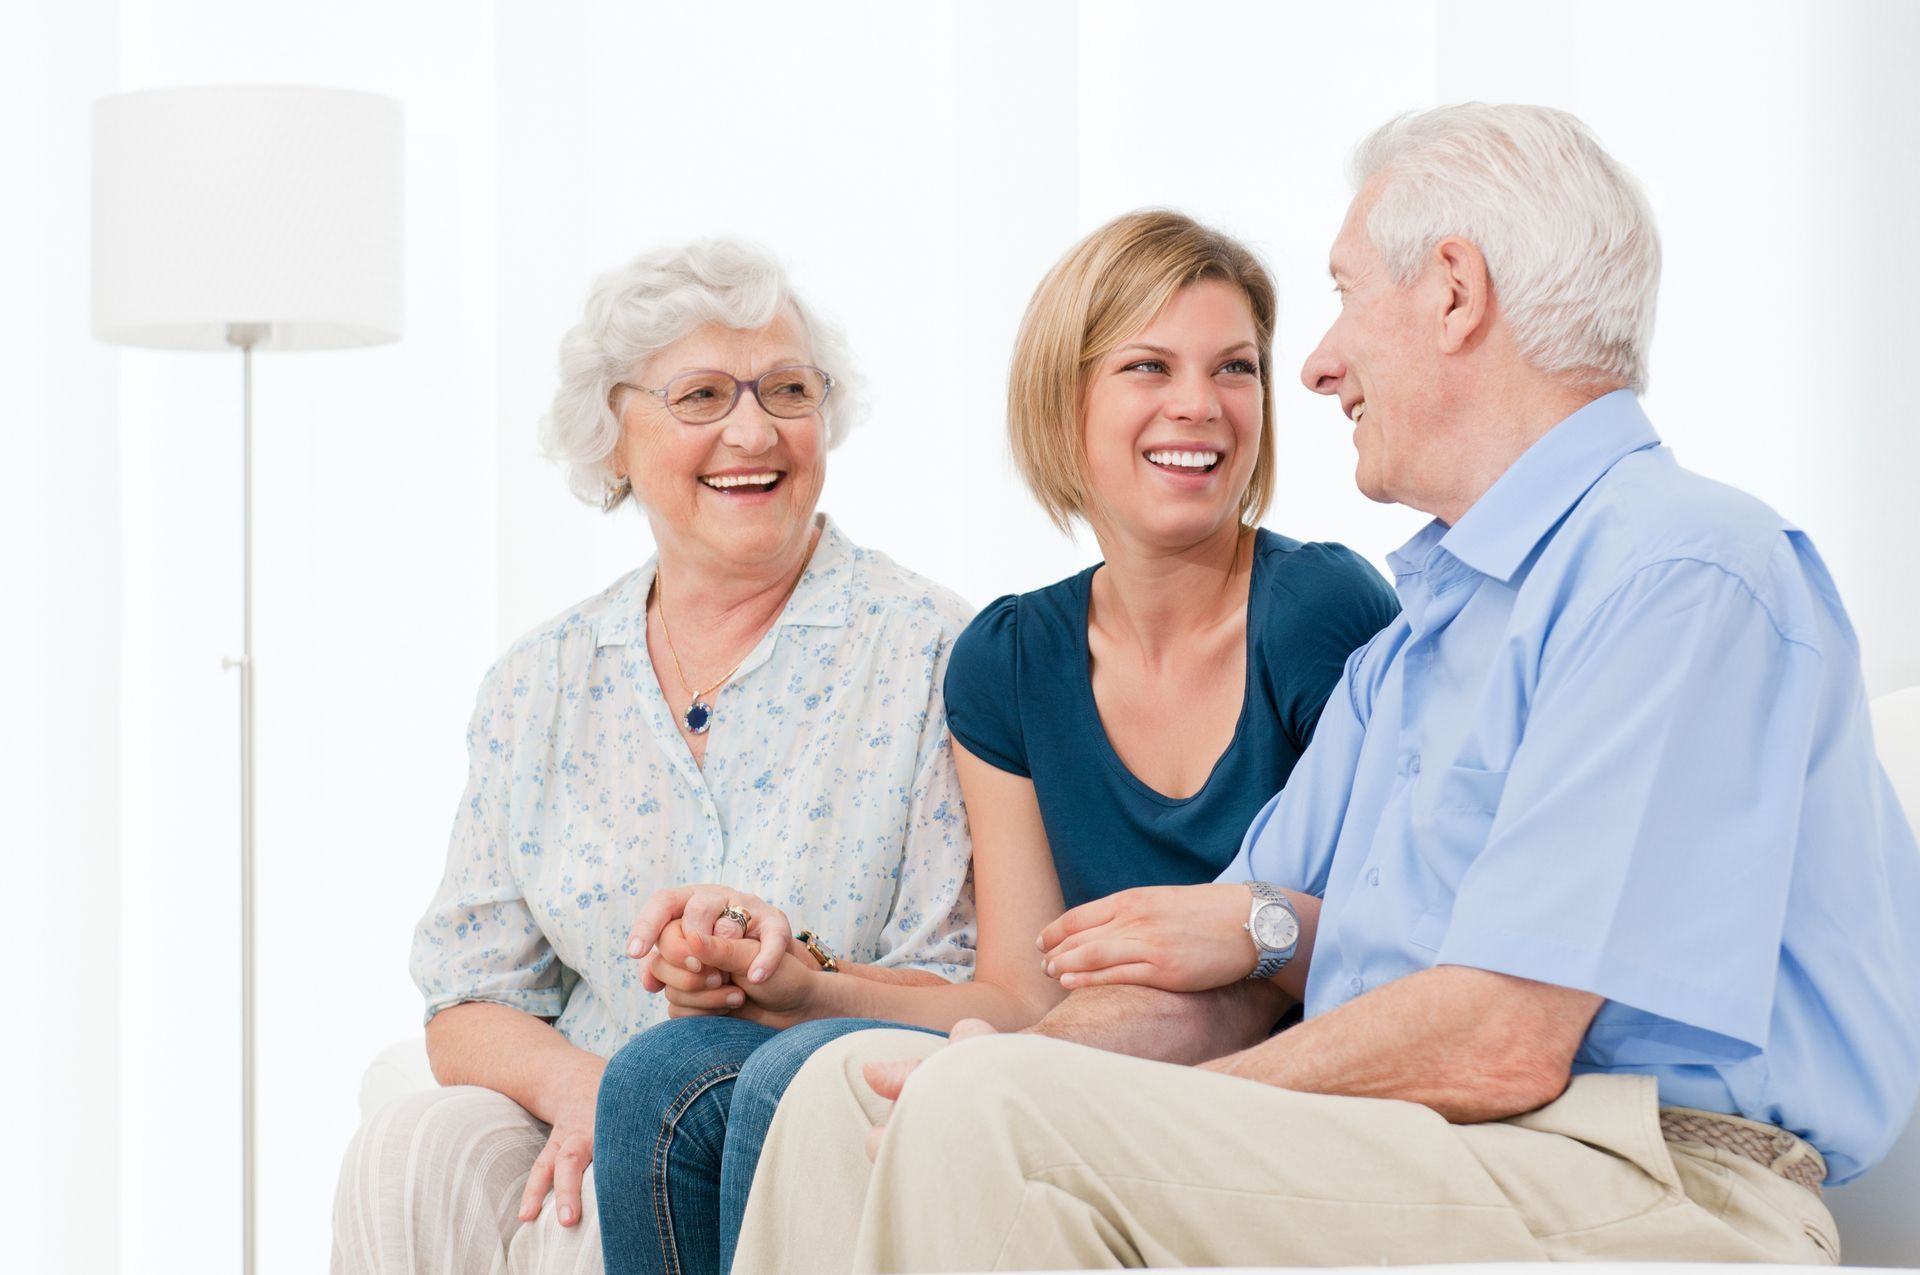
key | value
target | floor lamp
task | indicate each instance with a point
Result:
(249, 218)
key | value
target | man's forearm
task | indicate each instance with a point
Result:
(1472, 1045)
(1180, 1027)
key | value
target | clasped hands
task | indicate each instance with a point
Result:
(695, 951)
(1175, 938)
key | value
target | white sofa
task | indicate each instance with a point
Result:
(1878, 1215)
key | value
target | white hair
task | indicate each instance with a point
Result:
(1568, 237)
(635, 312)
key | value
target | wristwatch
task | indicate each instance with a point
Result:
(818, 950)
(1275, 928)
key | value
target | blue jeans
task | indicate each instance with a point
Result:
(684, 1109)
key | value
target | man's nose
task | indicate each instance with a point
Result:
(1323, 372)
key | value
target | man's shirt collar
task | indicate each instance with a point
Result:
(1502, 528)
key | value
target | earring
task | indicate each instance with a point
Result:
(615, 491)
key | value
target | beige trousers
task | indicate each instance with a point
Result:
(431, 1186)
(1015, 1152)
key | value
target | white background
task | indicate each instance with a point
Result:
(919, 165)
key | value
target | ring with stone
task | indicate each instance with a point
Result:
(739, 916)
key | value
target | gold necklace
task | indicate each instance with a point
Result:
(699, 714)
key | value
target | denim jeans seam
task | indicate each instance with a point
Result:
(662, 1196)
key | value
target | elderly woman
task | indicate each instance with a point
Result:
(760, 702)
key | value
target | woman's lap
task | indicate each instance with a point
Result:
(684, 1109)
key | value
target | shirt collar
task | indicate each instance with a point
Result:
(1501, 529)
(824, 596)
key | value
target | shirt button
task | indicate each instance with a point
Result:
(1373, 876)
(1413, 764)
(1356, 986)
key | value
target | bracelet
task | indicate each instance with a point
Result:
(818, 950)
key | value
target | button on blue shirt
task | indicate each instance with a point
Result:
(1617, 740)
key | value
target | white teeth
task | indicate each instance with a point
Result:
(1185, 460)
(724, 481)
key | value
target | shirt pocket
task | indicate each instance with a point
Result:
(1451, 822)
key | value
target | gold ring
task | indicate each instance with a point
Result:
(739, 916)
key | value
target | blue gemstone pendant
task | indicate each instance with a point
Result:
(698, 717)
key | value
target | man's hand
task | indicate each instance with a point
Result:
(569, 1150)
(1179, 938)
(887, 1079)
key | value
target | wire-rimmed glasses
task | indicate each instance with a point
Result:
(703, 397)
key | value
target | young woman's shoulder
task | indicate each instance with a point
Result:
(984, 710)
(1321, 585)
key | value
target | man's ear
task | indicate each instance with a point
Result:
(1467, 299)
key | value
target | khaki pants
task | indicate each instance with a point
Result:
(1024, 1152)
(432, 1183)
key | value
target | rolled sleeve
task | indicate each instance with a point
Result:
(1642, 842)
(478, 940)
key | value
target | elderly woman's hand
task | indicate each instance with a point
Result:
(692, 987)
(569, 1105)
(701, 909)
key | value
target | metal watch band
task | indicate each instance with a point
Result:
(1270, 962)
(818, 950)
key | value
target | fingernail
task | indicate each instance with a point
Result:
(1048, 967)
(1041, 943)
(693, 964)
(758, 976)
(1066, 980)
(713, 980)
(566, 1214)
(634, 947)
(734, 999)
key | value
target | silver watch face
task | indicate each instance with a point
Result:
(1275, 928)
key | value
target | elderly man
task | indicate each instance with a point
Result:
(1599, 905)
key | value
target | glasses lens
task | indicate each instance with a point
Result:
(700, 398)
(793, 391)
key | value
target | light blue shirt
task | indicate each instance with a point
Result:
(1617, 740)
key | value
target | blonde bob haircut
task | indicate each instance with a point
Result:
(1105, 290)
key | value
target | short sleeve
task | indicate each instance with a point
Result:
(1664, 764)
(1324, 602)
(478, 940)
(983, 702)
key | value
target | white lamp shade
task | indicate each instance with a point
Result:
(276, 205)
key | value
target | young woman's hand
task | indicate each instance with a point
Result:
(1179, 938)
(785, 996)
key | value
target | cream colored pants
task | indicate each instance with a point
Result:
(1023, 1152)
(432, 1183)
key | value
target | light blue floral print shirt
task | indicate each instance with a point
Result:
(829, 790)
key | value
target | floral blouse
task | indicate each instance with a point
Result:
(828, 790)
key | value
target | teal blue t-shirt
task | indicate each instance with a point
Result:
(1019, 696)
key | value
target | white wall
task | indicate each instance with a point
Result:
(406, 529)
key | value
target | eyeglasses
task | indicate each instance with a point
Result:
(701, 398)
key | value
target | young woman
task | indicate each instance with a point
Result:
(1118, 729)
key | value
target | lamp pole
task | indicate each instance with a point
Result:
(246, 336)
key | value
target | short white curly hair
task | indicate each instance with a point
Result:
(1569, 240)
(635, 312)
